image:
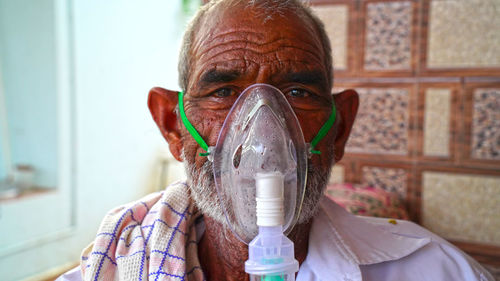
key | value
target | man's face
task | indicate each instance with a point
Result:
(234, 49)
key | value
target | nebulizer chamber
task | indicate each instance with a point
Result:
(271, 253)
(260, 164)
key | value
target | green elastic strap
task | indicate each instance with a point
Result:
(321, 134)
(324, 129)
(190, 127)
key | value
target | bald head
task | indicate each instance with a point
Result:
(266, 10)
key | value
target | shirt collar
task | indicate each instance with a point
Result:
(341, 242)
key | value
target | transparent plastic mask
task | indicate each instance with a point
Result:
(261, 134)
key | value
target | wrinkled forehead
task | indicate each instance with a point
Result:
(263, 35)
(279, 21)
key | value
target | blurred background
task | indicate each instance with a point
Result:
(77, 139)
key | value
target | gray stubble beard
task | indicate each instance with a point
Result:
(202, 186)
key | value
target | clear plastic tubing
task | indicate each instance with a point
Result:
(271, 253)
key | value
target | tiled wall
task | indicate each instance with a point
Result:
(382, 122)
(471, 214)
(388, 35)
(335, 18)
(428, 127)
(486, 124)
(464, 34)
(437, 117)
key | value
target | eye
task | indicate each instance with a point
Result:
(223, 92)
(299, 93)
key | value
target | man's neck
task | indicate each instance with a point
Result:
(222, 255)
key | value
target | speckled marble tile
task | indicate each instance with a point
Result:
(437, 122)
(381, 126)
(336, 20)
(392, 180)
(464, 34)
(388, 35)
(486, 124)
(462, 207)
(337, 174)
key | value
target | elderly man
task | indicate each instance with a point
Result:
(182, 233)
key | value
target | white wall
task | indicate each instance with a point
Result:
(27, 59)
(121, 50)
(4, 133)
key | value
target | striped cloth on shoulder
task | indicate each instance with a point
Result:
(150, 239)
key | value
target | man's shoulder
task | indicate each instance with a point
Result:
(435, 259)
(403, 227)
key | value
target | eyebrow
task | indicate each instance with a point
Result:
(313, 77)
(218, 76)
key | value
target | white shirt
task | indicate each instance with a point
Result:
(344, 247)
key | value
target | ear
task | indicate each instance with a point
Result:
(347, 103)
(162, 104)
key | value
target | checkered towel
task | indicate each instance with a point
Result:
(151, 239)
